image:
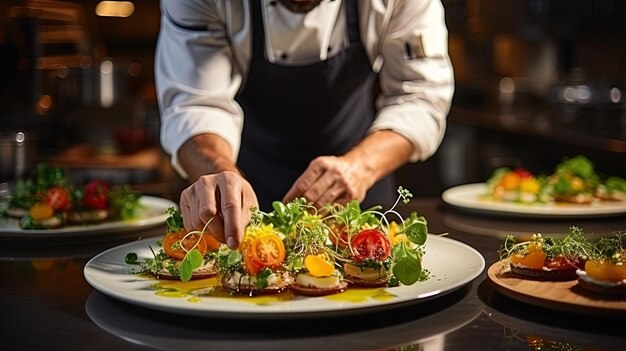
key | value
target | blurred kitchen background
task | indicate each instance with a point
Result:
(536, 80)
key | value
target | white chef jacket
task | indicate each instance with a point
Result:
(204, 49)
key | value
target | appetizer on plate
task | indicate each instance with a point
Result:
(605, 271)
(257, 266)
(297, 247)
(517, 185)
(375, 251)
(182, 256)
(547, 258)
(612, 189)
(574, 180)
(47, 200)
(309, 257)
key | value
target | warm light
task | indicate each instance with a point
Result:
(107, 94)
(115, 8)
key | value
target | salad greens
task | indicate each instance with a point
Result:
(305, 231)
(574, 245)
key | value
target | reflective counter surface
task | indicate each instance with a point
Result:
(46, 303)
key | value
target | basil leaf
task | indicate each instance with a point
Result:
(193, 259)
(407, 270)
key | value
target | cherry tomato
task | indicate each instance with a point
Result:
(264, 251)
(372, 244)
(562, 262)
(96, 194)
(510, 181)
(523, 172)
(253, 266)
(59, 198)
(558, 262)
(211, 242)
(177, 244)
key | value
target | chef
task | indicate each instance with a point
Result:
(265, 100)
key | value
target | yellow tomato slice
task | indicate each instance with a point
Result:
(318, 266)
(535, 258)
(605, 270)
(41, 211)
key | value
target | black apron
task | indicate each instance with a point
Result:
(293, 114)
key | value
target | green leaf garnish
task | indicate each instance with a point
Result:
(131, 258)
(193, 259)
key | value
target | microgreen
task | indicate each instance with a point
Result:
(609, 247)
(174, 221)
(574, 245)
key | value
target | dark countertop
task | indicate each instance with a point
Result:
(592, 128)
(47, 304)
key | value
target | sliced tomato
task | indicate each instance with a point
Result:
(97, 194)
(253, 266)
(211, 242)
(264, 251)
(59, 198)
(177, 244)
(560, 262)
(370, 244)
(318, 265)
(41, 211)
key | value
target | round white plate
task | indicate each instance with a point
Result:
(152, 212)
(452, 264)
(469, 197)
(188, 333)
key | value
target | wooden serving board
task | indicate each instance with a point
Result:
(560, 295)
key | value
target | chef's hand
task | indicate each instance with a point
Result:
(330, 179)
(225, 200)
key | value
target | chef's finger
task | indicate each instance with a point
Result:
(305, 181)
(231, 211)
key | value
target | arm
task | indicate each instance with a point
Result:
(195, 77)
(416, 91)
(200, 121)
(416, 78)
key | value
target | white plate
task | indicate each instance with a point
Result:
(468, 197)
(152, 212)
(413, 326)
(452, 264)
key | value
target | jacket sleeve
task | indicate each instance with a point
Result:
(416, 78)
(195, 77)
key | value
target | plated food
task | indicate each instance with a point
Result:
(307, 251)
(48, 200)
(575, 180)
(547, 258)
(598, 266)
(605, 271)
(182, 255)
